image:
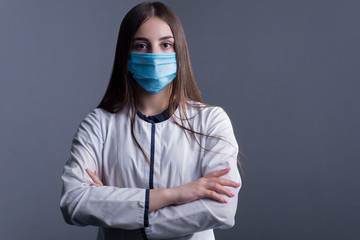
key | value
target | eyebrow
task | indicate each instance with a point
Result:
(145, 39)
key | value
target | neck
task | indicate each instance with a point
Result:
(153, 104)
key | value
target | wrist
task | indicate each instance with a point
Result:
(170, 194)
(160, 198)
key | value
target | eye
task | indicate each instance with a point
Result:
(167, 45)
(140, 46)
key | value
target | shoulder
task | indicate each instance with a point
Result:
(95, 118)
(206, 112)
(94, 123)
(97, 114)
(212, 121)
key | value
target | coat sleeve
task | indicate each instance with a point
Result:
(82, 204)
(203, 214)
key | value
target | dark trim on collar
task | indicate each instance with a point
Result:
(156, 118)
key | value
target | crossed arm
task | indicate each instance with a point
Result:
(209, 186)
(181, 210)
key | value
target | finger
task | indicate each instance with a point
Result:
(222, 190)
(99, 183)
(227, 182)
(90, 173)
(215, 196)
(96, 184)
(93, 176)
(218, 173)
(88, 181)
(92, 183)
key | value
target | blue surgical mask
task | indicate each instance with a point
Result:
(153, 71)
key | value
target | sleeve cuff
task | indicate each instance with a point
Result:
(146, 212)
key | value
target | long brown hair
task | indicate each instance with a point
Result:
(123, 92)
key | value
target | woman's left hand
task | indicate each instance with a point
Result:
(95, 177)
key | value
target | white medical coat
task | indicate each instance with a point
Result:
(103, 142)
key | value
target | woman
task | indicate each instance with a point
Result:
(152, 161)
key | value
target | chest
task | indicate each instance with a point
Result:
(174, 155)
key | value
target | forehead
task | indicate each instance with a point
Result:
(153, 29)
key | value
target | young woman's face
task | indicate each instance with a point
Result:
(153, 36)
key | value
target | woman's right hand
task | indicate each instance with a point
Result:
(210, 186)
(95, 177)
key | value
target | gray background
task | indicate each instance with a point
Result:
(287, 72)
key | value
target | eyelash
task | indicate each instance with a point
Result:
(140, 46)
(170, 44)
